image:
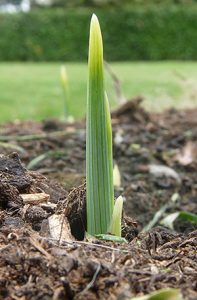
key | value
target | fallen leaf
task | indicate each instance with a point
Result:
(160, 170)
(188, 154)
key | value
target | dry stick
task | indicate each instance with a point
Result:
(4, 247)
(37, 245)
(86, 244)
(91, 283)
(102, 246)
(117, 84)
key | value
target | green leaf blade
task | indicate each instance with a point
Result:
(99, 163)
(184, 215)
(163, 294)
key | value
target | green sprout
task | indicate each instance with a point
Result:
(169, 220)
(162, 294)
(99, 160)
(115, 227)
(65, 87)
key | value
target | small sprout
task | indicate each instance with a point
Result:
(175, 197)
(135, 147)
(155, 218)
(35, 161)
(116, 177)
(64, 76)
(169, 219)
(115, 227)
(65, 86)
(163, 294)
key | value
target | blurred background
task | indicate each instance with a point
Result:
(149, 45)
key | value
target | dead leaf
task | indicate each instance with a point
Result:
(59, 228)
(188, 154)
(160, 170)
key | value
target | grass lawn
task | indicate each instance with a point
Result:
(33, 90)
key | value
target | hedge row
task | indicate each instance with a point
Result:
(137, 34)
(109, 3)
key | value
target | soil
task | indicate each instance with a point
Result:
(47, 159)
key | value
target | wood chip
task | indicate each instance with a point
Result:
(35, 198)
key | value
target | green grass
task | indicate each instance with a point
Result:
(34, 91)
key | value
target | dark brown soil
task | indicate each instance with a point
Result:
(33, 265)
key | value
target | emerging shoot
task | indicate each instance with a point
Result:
(99, 163)
(115, 227)
(65, 86)
(116, 177)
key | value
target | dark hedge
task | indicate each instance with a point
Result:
(154, 33)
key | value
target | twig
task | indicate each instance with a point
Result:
(37, 245)
(4, 247)
(86, 244)
(91, 283)
(101, 246)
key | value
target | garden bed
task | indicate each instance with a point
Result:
(36, 265)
